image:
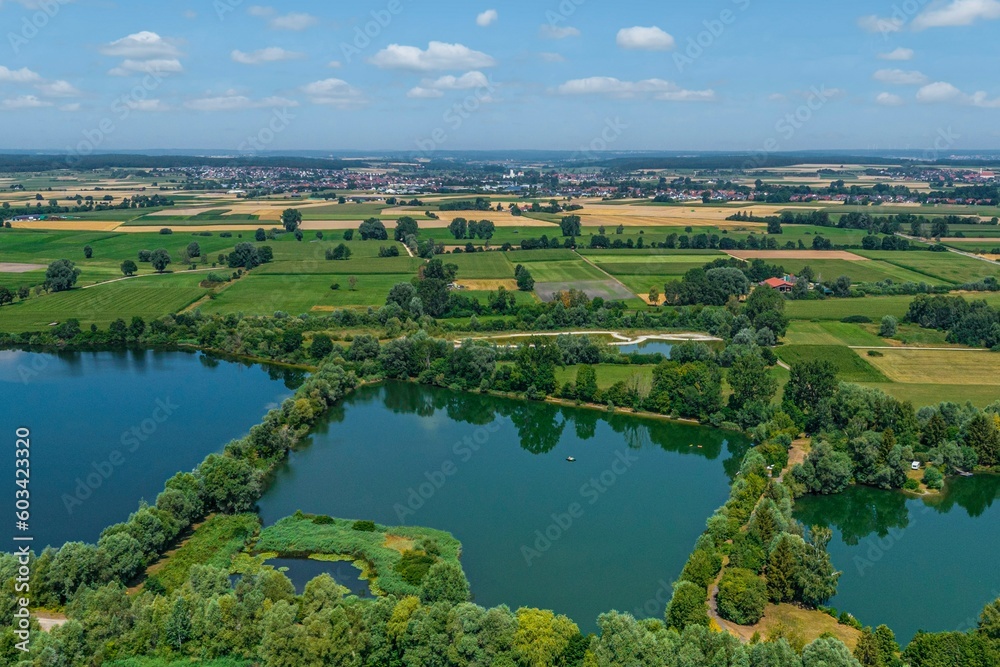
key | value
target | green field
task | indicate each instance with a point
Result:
(850, 367)
(569, 271)
(481, 265)
(261, 294)
(149, 297)
(831, 333)
(828, 270)
(607, 374)
(941, 267)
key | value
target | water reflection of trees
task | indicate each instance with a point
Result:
(862, 511)
(540, 426)
(973, 494)
(857, 512)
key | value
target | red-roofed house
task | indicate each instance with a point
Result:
(778, 284)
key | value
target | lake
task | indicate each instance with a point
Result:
(109, 428)
(609, 531)
(913, 564)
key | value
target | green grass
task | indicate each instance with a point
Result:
(874, 307)
(607, 374)
(827, 270)
(300, 535)
(110, 250)
(214, 543)
(532, 256)
(149, 297)
(939, 267)
(481, 265)
(261, 294)
(557, 272)
(830, 333)
(850, 367)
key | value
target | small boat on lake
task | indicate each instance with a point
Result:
(571, 459)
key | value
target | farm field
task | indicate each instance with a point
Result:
(850, 366)
(921, 395)
(148, 297)
(831, 333)
(959, 366)
(938, 266)
(261, 294)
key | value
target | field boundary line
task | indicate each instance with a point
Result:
(147, 275)
(626, 287)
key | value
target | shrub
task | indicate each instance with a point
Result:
(857, 319)
(911, 485)
(364, 526)
(742, 596)
(166, 231)
(413, 566)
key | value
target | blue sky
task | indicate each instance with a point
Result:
(580, 75)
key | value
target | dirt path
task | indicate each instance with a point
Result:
(954, 250)
(48, 620)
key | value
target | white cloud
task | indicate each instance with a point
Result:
(23, 102)
(943, 92)
(888, 100)
(873, 23)
(897, 54)
(645, 39)
(70, 108)
(550, 57)
(334, 64)
(295, 21)
(23, 75)
(656, 88)
(437, 56)
(57, 89)
(777, 97)
(141, 45)
(437, 88)
(231, 101)
(957, 13)
(558, 32)
(156, 66)
(487, 18)
(898, 77)
(940, 91)
(269, 55)
(334, 92)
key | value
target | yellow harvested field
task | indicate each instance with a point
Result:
(958, 366)
(667, 216)
(488, 285)
(184, 229)
(797, 254)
